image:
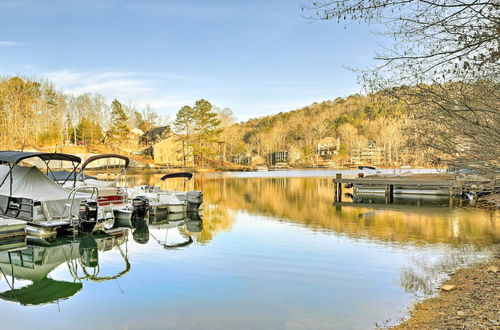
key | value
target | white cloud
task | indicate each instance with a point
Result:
(108, 83)
(138, 88)
(5, 43)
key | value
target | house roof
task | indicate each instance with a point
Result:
(155, 133)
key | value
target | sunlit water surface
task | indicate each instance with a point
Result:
(271, 252)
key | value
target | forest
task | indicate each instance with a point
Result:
(34, 114)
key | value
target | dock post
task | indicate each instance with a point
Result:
(335, 190)
(338, 188)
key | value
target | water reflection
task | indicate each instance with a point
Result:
(34, 263)
(270, 252)
(308, 202)
(26, 268)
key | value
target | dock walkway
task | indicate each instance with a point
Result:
(445, 184)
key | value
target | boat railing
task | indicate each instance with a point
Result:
(71, 200)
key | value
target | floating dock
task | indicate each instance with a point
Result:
(443, 184)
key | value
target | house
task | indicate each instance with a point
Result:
(155, 135)
(172, 152)
(372, 154)
(290, 156)
(327, 148)
(132, 144)
(241, 159)
(277, 157)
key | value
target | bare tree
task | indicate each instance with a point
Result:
(448, 51)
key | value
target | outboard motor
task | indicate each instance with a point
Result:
(87, 216)
(194, 226)
(141, 207)
(89, 254)
(141, 232)
(194, 199)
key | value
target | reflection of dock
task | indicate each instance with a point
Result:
(392, 206)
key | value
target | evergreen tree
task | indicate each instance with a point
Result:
(119, 128)
(184, 123)
(198, 128)
(206, 130)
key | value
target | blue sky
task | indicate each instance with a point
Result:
(255, 57)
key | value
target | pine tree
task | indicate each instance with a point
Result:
(119, 130)
(184, 123)
(198, 128)
(206, 130)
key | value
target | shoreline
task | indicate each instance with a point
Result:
(469, 299)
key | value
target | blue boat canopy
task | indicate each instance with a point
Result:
(69, 176)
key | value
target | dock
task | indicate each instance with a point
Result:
(443, 184)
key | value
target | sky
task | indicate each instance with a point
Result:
(255, 57)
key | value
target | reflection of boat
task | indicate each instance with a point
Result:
(112, 199)
(169, 201)
(27, 194)
(187, 226)
(35, 263)
(12, 233)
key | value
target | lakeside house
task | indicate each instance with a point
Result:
(172, 152)
(163, 146)
(155, 135)
(327, 148)
(248, 160)
(290, 156)
(371, 154)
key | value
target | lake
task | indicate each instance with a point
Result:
(271, 251)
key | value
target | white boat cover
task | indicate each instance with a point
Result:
(29, 182)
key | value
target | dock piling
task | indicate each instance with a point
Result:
(338, 188)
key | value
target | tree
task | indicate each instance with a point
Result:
(184, 126)
(119, 130)
(448, 51)
(149, 118)
(84, 129)
(199, 128)
(206, 130)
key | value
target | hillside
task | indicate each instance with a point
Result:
(355, 123)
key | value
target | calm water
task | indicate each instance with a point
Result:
(270, 252)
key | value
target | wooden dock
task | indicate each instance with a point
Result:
(445, 184)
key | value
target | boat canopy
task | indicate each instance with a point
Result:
(12, 158)
(186, 175)
(30, 183)
(42, 292)
(68, 176)
(15, 157)
(104, 156)
(366, 168)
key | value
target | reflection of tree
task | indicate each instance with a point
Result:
(308, 201)
(422, 276)
(215, 218)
